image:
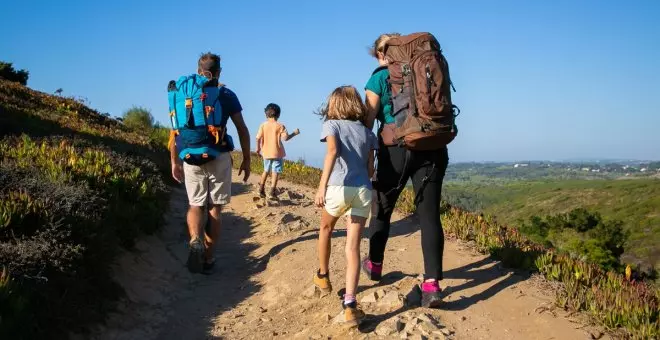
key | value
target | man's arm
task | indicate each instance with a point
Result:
(177, 167)
(244, 137)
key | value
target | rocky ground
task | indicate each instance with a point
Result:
(262, 287)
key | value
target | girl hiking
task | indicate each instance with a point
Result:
(345, 188)
(397, 165)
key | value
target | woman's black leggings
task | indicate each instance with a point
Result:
(420, 165)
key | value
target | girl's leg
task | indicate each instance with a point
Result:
(353, 235)
(325, 234)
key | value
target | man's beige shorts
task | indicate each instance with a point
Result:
(211, 179)
(349, 201)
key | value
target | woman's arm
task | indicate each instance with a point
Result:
(373, 106)
(328, 165)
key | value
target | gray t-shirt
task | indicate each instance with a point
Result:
(355, 142)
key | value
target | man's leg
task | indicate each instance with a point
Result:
(220, 191)
(211, 237)
(195, 220)
(196, 183)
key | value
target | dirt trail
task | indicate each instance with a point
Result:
(261, 288)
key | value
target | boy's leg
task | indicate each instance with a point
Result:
(276, 171)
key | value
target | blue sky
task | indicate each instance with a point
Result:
(535, 79)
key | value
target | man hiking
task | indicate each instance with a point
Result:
(200, 147)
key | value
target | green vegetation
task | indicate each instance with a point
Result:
(138, 119)
(634, 202)
(75, 186)
(581, 234)
(8, 72)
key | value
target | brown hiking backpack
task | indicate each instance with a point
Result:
(421, 92)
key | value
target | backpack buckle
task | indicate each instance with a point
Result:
(189, 103)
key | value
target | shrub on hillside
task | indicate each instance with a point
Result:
(64, 209)
(73, 189)
(138, 119)
(582, 234)
(8, 72)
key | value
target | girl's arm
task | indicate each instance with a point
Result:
(373, 105)
(328, 165)
(370, 166)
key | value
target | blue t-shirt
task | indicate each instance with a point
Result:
(355, 142)
(230, 106)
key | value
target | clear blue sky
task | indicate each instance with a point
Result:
(535, 79)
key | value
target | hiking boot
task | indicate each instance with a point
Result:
(196, 256)
(272, 193)
(431, 294)
(353, 315)
(207, 268)
(262, 192)
(373, 271)
(322, 282)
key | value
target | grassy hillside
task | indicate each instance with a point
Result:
(635, 202)
(75, 186)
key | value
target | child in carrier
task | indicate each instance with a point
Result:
(345, 188)
(269, 145)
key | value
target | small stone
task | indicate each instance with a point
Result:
(391, 299)
(339, 318)
(265, 319)
(439, 335)
(424, 317)
(369, 298)
(410, 326)
(403, 335)
(263, 310)
(326, 317)
(596, 335)
(446, 331)
(380, 293)
(400, 325)
(463, 318)
(384, 329)
(417, 337)
(311, 292)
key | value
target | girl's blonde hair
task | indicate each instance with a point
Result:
(344, 103)
(379, 44)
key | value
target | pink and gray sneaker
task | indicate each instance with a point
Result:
(374, 271)
(431, 294)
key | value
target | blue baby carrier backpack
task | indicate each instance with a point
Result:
(198, 121)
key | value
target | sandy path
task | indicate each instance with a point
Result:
(266, 259)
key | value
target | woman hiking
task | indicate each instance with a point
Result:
(396, 165)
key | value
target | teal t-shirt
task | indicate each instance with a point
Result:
(378, 85)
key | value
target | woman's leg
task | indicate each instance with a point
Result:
(391, 161)
(432, 165)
